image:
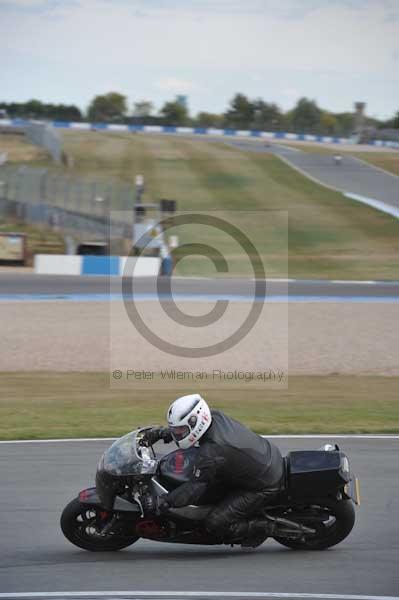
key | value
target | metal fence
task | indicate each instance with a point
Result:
(74, 205)
(44, 135)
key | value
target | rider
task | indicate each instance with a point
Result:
(249, 467)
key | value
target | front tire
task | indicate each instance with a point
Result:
(343, 515)
(78, 524)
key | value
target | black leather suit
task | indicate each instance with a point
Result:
(248, 467)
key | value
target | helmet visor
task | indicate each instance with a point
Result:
(180, 432)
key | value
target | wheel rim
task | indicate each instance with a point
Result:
(86, 523)
(324, 529)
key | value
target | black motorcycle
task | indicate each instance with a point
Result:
(314, 511)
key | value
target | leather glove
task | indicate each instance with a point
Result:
(151, 436)
(166, 436)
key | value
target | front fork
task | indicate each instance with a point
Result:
(123, 513)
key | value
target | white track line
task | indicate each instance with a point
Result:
(377, 204)
(285, 147)
(218, 594)
(368, 282)
(290, 436)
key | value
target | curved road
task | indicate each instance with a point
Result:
(352, 176)
(29, 284)
(38, 479)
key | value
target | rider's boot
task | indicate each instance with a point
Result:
(251, 533)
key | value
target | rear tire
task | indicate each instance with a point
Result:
(78, 526)
(344, 515)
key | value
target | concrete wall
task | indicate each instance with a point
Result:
(59, 264)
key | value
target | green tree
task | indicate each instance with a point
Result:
(306, 116)
(390, 123)
(108, 107)
(34, 109)
(142, 109)
(267, 116)
(206, 119)
(174, 113)
(345, 123)
(328, 124)
(241, 112)
(68, 113)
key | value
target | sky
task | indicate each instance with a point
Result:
(334, 51)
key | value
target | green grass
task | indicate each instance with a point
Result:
(329, 236)
(60, 405)
(21, 151)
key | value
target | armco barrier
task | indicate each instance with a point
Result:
(60, 264)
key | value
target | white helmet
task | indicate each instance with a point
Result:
(189, 417)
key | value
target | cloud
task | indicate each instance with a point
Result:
(288, 9)
(173, 84)
(110, 34)
(208, 48)
(291, 94)
(23, 3)
(48, 8)
(34, 4)
(297, 9)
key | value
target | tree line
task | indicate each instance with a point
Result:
(242, 113)
(34, 109)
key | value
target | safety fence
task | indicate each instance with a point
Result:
(72, 204)
(46, 136)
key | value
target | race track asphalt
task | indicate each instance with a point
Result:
(352, 175)
(38, 479)
(19, 284)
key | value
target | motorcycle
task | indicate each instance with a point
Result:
(314, 511)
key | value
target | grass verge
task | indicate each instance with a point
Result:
(20, 150)
(62, 405)
(384, 160)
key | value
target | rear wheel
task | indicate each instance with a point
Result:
(79, 523)
(329, 532)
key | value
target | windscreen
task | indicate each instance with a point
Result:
(127, 457)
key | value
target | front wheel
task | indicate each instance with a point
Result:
(79, 525)
(330, 531)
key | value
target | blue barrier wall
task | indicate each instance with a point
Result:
(172, 129)
(100, 265)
